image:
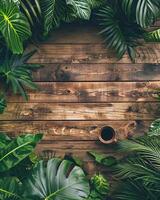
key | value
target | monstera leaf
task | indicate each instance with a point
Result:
(9, 189)
(58, 180)
(14, 151)
(13, 26)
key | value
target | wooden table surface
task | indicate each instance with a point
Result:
(83, 87)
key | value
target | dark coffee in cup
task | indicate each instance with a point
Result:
(107, 135)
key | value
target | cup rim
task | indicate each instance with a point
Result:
(112, 140)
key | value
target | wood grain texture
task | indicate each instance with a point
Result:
(98, 72)
(92, 92)
(91, 53)
(78, 149)
(82, 111)
(74, 130)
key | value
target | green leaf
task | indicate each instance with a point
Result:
(4, 140)
(3, 104)
(32, 10)
(17, 75)
(100, 184)
(153, 36)
(146, 12)
(51, 14)
(13, 26)
(9, 189)
(81, 9)
(58, 180)
(17, 150)
(103, 159)
(154, 129)
(96, 3)
(119, 33)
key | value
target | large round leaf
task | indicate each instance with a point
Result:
(59, 180)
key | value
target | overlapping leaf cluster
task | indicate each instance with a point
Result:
(23, 178)
(124, 22)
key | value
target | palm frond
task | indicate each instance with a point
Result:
(119, 33)
(153, 36)
(31, 9)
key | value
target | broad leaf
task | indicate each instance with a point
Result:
(81, 9)
(17, 150)
(13, 26)
(16, 75)
(58, 180)
(103, 159)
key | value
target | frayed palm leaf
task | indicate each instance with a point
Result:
(139, 171)
(119, 33)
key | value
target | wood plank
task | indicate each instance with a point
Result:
(98, 72)
(79, 150)
(73, 130)
(92, 92)
(91, 53)
(83, 111)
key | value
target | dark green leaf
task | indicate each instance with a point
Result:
(17, 150)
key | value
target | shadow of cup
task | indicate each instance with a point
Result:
(107, 135)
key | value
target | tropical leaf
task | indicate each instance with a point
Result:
(119, 33)
(17, 75)
(146, 12)
(81, 9)
(17, 150)
(58, 180)
(4, 140)
(96, 3)
(31, 9)
(2, 104)
(154, 129)
(56, 11)
(127, 6)
(13, 26)
(100, 184)
(153, 36)
(103, 159)
(10, 189)
(139, 170)
(50, 15)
